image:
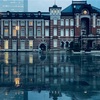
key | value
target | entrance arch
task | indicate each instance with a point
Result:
(43, 46)
(85, 26)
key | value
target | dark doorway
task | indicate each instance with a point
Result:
(43, 47)
(67, 44)
(85, 26)
(89, 44)
(62, 44)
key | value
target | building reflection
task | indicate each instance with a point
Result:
(57, 73)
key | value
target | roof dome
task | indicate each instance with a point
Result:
(55, 6)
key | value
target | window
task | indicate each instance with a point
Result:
(30, 23)
(6, 44)
(46, 32)
(71, 22)
(67, 22)
(30, 31)
(39, 32)
(55, 22)
(14, 32)
(22, 23)
(22, 44)
(62, 22)
(31, 44)
(62, 32)
(55, 43)
(55, 31)
(22, 31)
(71, 32)
(67, 32)
(14, 23)
(6, 23)
(46, 22)
(98, 22)
(6, 31)
(38, 23)
(98, 31)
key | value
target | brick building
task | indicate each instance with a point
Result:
(77, 26)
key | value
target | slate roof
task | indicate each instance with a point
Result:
(79, 7)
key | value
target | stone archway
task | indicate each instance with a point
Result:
(43, 46)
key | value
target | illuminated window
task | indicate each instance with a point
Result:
(30, 23)
(31, 44)
(14, 32)
(31, 59)
(6, 44)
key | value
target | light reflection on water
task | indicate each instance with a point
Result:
(49, 76)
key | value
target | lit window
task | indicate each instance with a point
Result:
(6, 44)
(55, 31)
(30, 23)
(30, 44)
(46, 32)
(14, 32)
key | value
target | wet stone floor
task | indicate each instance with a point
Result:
(49, 76)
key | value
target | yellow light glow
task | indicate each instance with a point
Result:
(17, 81)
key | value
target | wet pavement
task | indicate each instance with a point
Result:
(49, 76)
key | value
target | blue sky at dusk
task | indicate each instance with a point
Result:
(43, 5)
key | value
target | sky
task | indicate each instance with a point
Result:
(43, 5)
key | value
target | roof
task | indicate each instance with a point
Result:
(78, 8)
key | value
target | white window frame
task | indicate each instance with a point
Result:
(46, 22)
(55, 21)
(71, 22)
(23, 31)
(98, 22)
(30, 23)
(47, 32)
(66, 32)
(22, 23)
(55, 43)
(30, 31)
(39, 31)
(62, 32)
(62, 22)
(6, 31)
(67, 22)
(55, 31)
(71, 32)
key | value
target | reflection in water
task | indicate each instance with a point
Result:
(52, 76)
